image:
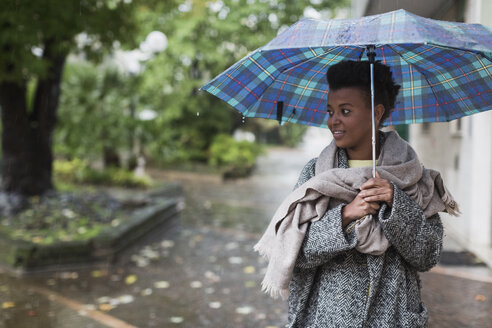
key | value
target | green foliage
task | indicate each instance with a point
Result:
(237, 158)
(204, 39)
(95, 111)
(50, 26)
(78, 171)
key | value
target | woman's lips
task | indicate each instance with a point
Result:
(337, 134)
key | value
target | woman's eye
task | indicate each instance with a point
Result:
(330, 112)
(345, 111)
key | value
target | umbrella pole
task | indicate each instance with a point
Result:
(371, 54)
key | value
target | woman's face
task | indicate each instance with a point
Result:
(350, 121)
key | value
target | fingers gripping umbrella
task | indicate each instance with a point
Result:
(444, 68)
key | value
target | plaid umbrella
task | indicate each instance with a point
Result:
(444, 68)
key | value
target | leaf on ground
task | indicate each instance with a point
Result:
(196, 284)
(249, 269)
(106, 307)
(146, 292)
(235, 260)
(161, 284)
(104, 299)
(126, 299)
(167, 244)
(69, 275)
(249, 284)
(176, 319)
(212, 276)
(480, 298)
(244, 310)
(98, 273)
(8, 305)
(131, 279)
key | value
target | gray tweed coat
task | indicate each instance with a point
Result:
(334, 285)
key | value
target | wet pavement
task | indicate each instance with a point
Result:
(200, 270)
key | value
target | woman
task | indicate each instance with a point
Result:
(348, 246)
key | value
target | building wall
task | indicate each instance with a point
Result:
(462, 151)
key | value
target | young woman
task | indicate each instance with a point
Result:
(347, 247)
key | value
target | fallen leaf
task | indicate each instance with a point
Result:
(8, 305)
(126, 299)
(244, 310)
(104, 299)
(105, 307)
(249, 269)
(249, 284)
(480, 298)
(69, 275)
(31, 313)
(235, 260)
(232, 245)
(146, 292)
(167, 244)
(161, 284)
(98, 273)
(196, 284)
(176, 319)
(131, 279)
(212, 276)
(215, 305)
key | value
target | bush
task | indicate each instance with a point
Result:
(79, 171)
(236, 158)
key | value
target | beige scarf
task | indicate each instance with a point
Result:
(331, 186)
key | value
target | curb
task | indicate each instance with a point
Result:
(22, 257)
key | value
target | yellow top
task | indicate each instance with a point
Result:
(360, 162)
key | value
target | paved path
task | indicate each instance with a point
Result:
(200, 271)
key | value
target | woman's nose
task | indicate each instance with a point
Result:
(334, 118)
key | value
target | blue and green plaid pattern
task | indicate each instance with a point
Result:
(444, 68)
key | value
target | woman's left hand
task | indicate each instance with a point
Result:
(377, 190)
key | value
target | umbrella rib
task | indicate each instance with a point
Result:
(421, 73)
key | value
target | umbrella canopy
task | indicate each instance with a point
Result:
(444, 68)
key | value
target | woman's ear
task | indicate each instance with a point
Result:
(378, 113)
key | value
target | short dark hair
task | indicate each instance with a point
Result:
(357, 74)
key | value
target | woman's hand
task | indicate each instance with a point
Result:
(357, 209)
(377, 190)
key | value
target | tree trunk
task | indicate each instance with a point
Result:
(27, 157)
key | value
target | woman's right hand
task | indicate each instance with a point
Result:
(357, 209)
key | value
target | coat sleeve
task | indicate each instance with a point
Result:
(416, 238)
(325, 238)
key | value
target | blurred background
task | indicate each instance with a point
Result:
(129, 198)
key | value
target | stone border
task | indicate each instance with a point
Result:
(22, 256)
